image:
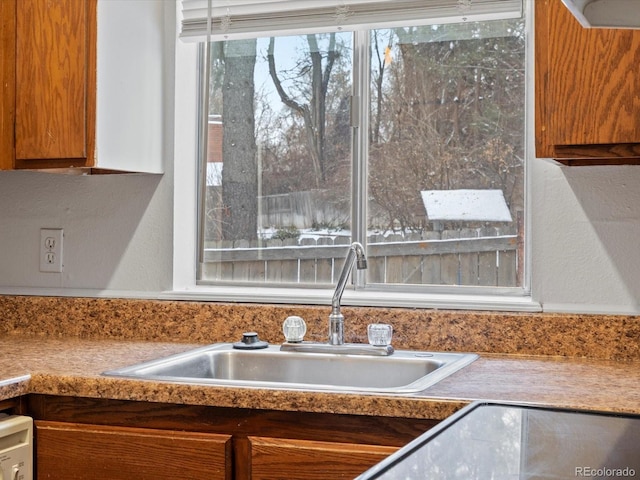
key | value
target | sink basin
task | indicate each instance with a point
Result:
(220, 364)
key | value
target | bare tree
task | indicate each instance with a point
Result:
(239, 174)
(382, 58)
(452, 118)
(314, 112)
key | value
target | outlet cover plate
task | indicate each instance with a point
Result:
(51, 250)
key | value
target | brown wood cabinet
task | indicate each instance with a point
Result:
(7, 83)
(55, 83)
(94, 438)
(287, 459)
(49, 72)
(83, 85)
(68, 451)
(587, 90)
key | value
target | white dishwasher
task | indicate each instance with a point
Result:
(16, 447)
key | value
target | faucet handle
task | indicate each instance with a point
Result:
(379, 334)
(294, 329)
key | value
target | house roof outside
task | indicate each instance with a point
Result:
(466, 205)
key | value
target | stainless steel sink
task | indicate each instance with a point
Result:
(220, 364)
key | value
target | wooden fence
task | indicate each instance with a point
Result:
(485, 260)
(300, 210)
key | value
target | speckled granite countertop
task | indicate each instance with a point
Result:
(59, 346)
(72, 366)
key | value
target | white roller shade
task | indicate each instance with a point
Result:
(235, 19)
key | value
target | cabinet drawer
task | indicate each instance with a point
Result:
(79, 451)
(280, 459)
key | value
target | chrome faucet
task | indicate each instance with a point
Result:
(336, 319)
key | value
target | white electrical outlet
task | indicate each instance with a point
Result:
(51, 250)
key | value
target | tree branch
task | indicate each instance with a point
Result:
(288, 101)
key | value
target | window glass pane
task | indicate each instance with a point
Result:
(277, 204)
(446, 159)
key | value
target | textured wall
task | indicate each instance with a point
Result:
(585, 227)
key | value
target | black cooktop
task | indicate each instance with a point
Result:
(492, 441)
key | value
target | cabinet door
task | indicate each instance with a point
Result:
(7, 77)
(78, 451)
(55, 83)
(283, 459)
(587, 87)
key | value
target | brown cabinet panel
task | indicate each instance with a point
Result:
(48, 85)
(78, 451)
(7, 82)
(286, 459)
(240, 422)
(587, 87)
(255, 444)
(55, 83)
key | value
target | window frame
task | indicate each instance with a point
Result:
(185, 235)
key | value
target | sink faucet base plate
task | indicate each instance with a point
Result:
(345, 348)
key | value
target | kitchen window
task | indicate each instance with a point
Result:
(401, 129)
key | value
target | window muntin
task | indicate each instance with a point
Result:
(446, 113)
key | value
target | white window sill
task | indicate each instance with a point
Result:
(300, 297)
(513, 303)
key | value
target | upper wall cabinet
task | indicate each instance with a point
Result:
(83, 84)
(587, 90)
(55, 83)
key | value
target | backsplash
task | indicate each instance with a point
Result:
(614, 337)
